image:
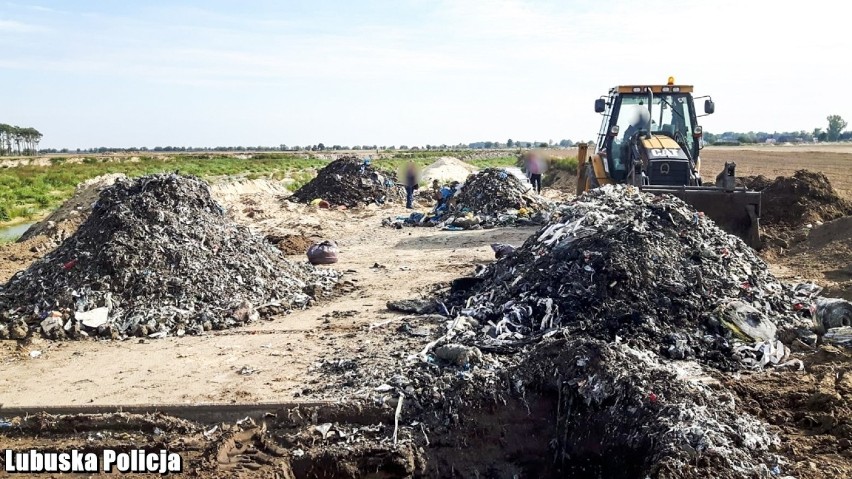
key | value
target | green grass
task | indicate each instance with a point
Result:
(31, 191)
(565, 164)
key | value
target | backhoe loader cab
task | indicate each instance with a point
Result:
(659, 121)
(650, 138)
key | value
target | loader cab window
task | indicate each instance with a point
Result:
(632, 116)
(673, 115)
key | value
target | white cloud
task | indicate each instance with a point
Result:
(12, 26)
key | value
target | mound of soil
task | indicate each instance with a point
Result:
(347, 181)
(447, 169)
(291, 244)
(156, 254)
(805, 197)
(75, 210)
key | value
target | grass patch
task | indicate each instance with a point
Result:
(29, 191)
(568, 165)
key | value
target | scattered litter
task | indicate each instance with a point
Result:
(413, 306)
(841, 335)
(35, 354)
(94, 317)
(323, 429)
(502, 250)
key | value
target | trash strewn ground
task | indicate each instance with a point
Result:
(581, 399)
(156, 256)
(349, 182)
(489, 198)
(621, 314)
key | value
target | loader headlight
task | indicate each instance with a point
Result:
(698, 131)
(666, 89)
(675, 89)
(636, 89)
(614, 130)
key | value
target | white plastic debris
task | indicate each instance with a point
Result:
(93, 318)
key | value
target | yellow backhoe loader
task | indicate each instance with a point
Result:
(650, 138)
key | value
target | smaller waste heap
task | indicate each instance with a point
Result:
(494, 196)
(156, 255)
(618, 263)
(349, 182)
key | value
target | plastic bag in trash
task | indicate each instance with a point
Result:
(323, 253)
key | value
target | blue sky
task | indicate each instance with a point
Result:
(207, 73)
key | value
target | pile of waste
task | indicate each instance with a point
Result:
(350, 182)
(491, 197)
(615, 311)
(157, 255)
(617, 263)
(793, 201)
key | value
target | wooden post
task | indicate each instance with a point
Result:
(582, 152)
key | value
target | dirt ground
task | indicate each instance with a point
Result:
(772, 161)
(381, 264)
(293, 357)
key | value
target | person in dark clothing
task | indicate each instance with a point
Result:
(535, 167)
(410, 184)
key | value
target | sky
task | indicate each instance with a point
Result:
(91, 73)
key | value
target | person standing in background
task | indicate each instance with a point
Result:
(535, 168)
(410, 184)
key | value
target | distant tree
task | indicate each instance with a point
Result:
(509, 143)
(542, 145)
(836, 125)
(566, 143)
(488, 144)
(320, 146)
(817, 132)
(823, 136)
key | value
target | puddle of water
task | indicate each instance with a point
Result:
(12, 233)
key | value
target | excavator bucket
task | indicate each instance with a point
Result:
(737, 211)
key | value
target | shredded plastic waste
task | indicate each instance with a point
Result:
(156, 255)
(350, 182)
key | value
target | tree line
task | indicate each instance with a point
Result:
(834, 131)
(18, 140)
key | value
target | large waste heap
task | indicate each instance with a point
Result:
(156, 255)
(615, 309)
(348, 181)
(647, 269)
(495, 196)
